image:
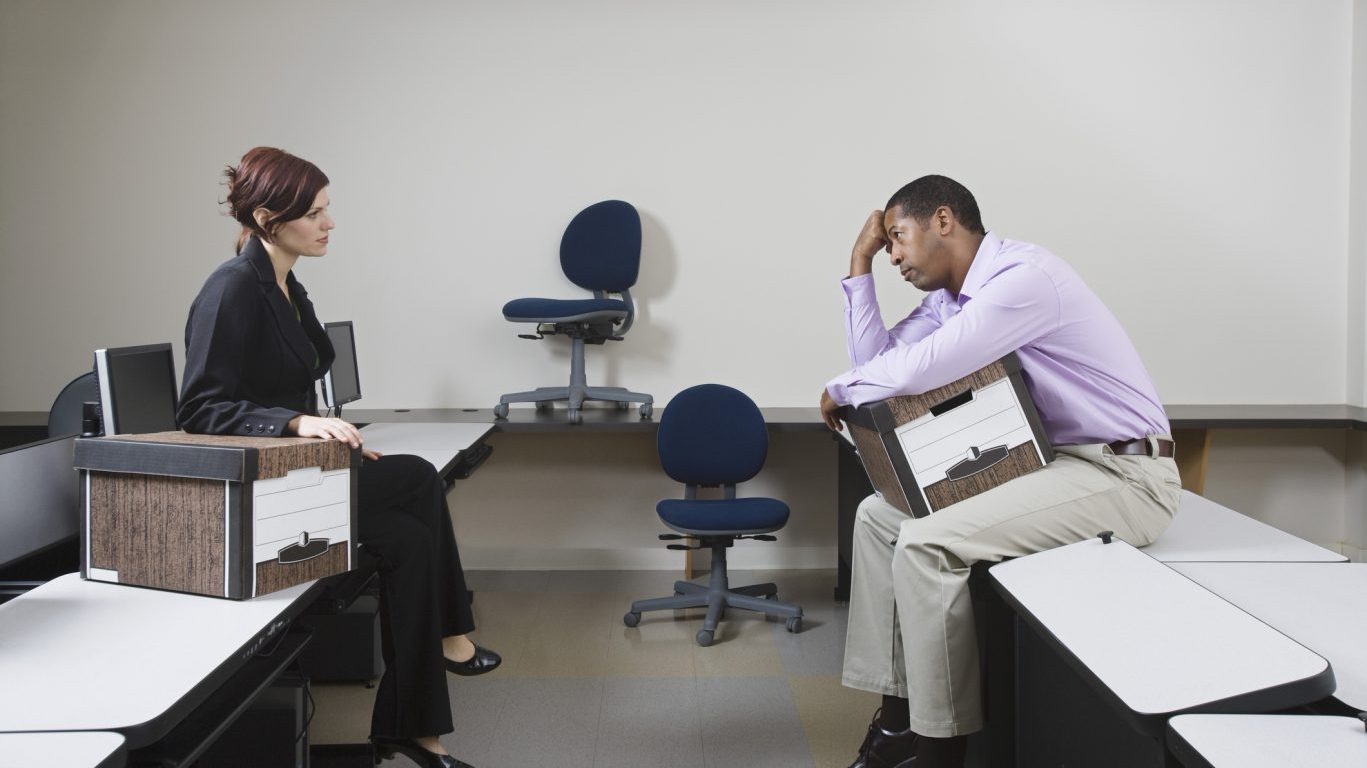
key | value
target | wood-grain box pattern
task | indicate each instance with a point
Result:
(175, 511)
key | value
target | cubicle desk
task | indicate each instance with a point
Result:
(1267, 741)
(1111, 643)
(167, 671)
(1191, 427)
(1322, 606)
(596, 419)
(1192, 424)
(1206, 532)
(443, 444)
(852, 483)
(1202, 534)
(90, 749)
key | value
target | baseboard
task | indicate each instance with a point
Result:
(641, 559)
(1353, 552)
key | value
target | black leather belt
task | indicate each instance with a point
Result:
(1140, 447)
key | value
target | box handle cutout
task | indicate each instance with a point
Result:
(945, 406)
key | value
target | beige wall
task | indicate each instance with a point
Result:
(1201, 164)
(1160, 147)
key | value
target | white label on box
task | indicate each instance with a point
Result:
(287, 495)
(278, 531)
(933, 444)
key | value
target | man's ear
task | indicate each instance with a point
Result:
(944, 220)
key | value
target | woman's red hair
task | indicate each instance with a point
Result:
(273, 179)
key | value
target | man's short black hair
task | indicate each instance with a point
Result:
(920, 198)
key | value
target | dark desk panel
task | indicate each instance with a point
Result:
(1267, 416)
(596, 419)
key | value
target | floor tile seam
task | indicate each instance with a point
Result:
(598, 726)
(698, 722)
(802, 722)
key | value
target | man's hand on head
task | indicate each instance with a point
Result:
(830, 411)
(871, 240)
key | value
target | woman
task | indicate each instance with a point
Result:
(253, 351)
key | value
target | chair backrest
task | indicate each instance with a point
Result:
(712, 434)
(601, 249)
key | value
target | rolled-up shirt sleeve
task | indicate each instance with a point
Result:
(1017, 306)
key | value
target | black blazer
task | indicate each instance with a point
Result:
(250, 363)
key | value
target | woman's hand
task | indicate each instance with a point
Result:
(329, 429)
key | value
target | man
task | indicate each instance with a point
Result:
(911, 635)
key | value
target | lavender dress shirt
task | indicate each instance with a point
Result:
(1082, 370)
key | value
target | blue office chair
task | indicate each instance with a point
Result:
(600, 252)
(712, 435)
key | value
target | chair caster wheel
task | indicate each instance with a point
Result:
(704, 637)
(631, 619)
(646, 410)
(576, 417)
(794, 624)
(501, 411)
(545, 406)
(621, 406)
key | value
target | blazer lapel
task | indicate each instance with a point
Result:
(290, 328)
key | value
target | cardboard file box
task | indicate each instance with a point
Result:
(925, 452)
(217, 515)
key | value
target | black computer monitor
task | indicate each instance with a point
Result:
(342, 382)
(137, 388)
(40, 505)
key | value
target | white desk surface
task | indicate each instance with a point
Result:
(1274, 741)
(1155, 639)
(1204, 531)
(438, 442)
(88, 656)
(92, 749)
(1323, 606)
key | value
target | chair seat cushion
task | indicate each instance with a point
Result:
(723, 516)
(563, 310)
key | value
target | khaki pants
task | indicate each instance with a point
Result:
(911, 632)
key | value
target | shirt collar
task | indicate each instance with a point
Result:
(979, 271)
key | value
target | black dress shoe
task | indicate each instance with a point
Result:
(483, 661)
(886, 749)
(387, 748)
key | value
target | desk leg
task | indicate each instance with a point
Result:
(852, 486)
(1193, 450)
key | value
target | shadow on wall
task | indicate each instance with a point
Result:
(648, 341)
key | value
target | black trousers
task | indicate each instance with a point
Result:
(405, 524)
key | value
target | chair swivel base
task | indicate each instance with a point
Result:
(546, 397)
(716, 596)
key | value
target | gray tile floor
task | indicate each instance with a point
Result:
(580, 689)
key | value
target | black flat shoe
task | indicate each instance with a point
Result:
(387, 748)
(483, 661)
